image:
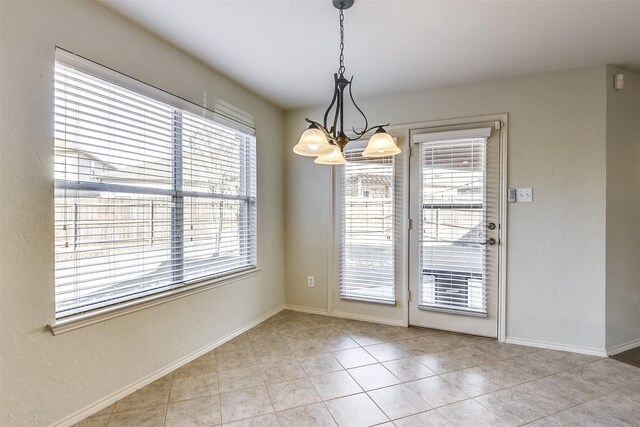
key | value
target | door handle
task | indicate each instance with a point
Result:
(490, 241)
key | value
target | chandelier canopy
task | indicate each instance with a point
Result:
(327, 140)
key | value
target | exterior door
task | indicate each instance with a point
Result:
(455, 228)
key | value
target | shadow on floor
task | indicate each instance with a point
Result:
(632, 357)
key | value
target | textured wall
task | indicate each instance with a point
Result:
(45, 378)
(555, 276)
(623, 210)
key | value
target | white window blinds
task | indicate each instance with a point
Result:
(452, 235)
(149, 196)
(368, 228)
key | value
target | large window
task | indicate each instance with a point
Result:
(368, 228)
(150, 193)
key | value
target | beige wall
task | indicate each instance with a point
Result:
(623, 210)
(45, 378)
(556, 245)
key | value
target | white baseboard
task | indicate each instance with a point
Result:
(556, 346)
(623, 347)
(344, 315)
(371, 319)
(306, 309)
(114, 397)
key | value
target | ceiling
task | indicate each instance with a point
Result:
(287, 50)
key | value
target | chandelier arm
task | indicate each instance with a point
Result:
(366, 122)
(360, 135)
(333, 101)
(340, 111)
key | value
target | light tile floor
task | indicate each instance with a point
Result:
(302, 370)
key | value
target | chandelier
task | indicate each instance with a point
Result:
(327, 140)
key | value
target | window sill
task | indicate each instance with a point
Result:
(366, 299)
(82, 320)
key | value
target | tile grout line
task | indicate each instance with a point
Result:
(110, 414)
(166, 407)
(215, 357)
(266, 386)
(625, 398)
(573, 407)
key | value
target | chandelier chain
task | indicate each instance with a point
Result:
(341, 69)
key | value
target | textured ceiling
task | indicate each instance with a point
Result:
(287, 51)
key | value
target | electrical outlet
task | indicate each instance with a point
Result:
(311, 281)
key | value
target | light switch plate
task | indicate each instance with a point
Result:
(524, 195)
(511, 195)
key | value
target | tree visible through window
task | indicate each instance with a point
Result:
(149, 196)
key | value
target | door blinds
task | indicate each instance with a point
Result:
(148, 196)
(454, 208)
(368, 230)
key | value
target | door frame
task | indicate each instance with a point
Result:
(404, 130)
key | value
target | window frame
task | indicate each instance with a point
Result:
(225, 115)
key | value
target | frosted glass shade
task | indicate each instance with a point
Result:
(312, 143)
(381, 144)
(333, 158)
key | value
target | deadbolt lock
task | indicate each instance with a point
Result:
(491, 226)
